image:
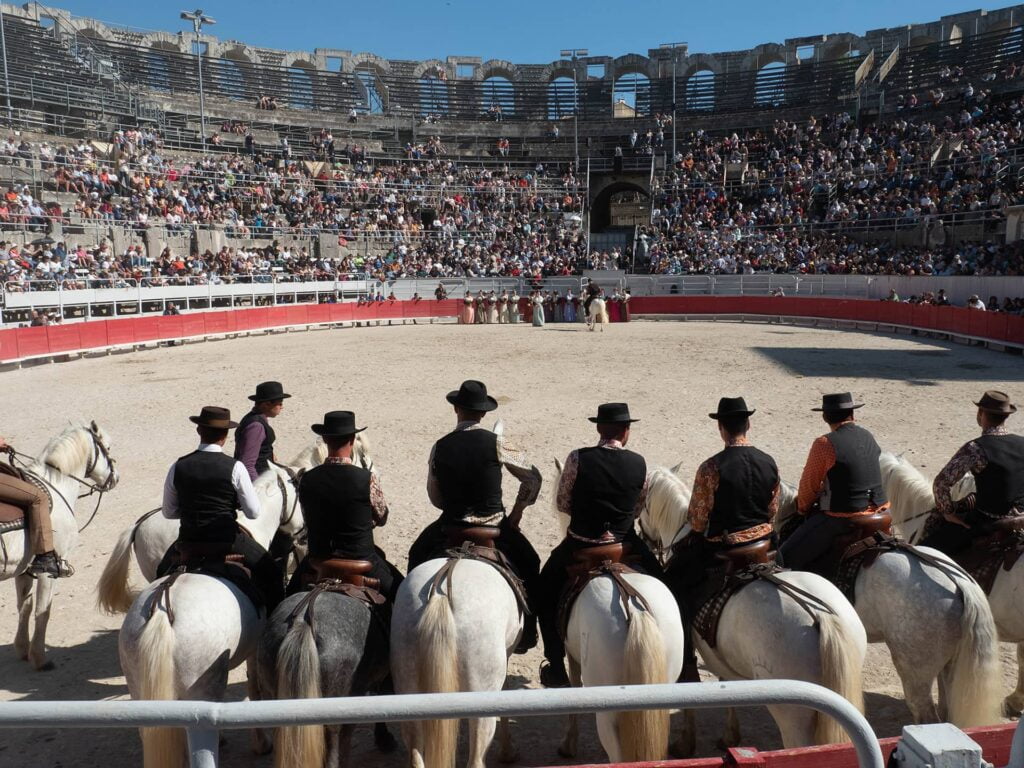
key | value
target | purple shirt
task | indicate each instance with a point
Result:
(247, 446)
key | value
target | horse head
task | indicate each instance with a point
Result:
(83, 452)
(663, 518)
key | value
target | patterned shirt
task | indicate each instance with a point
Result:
(512, 458)
(970, 458)
(820, 460)
(563, 497)
(702, 502)
(380, 507)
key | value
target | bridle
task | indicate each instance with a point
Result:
(98, 449)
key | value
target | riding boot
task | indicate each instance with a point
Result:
(528, 640)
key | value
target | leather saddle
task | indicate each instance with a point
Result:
(478, 535)
(860, 537)
(10, 513)
(743, 556)
(346, 571)
(999, 547)
(585, 561)
(590, 563)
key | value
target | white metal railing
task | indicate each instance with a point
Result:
(203, 720)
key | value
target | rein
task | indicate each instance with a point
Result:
(94, 488)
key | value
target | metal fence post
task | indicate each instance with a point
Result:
(203, 744)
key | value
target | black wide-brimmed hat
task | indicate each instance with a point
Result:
(995, 401)
(472, 396)
(612, 413)
(338, 424)
(732, 407)
(268, 390)
(841, 401)
(214, 417)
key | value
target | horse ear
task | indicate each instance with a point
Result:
(558, 466)
(93, 427)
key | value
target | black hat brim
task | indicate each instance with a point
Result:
(597, 420)
(1000, 411)
(852, 407)
(453, 398)
(323, 431)
(720, 416)
(282, 396)
(197, 420)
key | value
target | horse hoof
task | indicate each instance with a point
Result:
(1010, 709)
(46, 666)
(564, 751)
(386, 743)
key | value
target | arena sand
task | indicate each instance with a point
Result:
(547, 380)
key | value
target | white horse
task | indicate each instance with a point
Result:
(151, 535)
(598, 313)
(765, 633)
(934, 619)
(912, 499)
(606, 646)
(78, 457)
(180, 642)
(455, 638)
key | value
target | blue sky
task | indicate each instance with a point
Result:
(523, 31)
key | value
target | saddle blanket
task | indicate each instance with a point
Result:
(984, 559)
(493, 558)
(711, 605)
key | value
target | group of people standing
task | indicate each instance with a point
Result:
(540, 307)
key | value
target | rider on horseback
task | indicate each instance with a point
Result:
(602, 490)
(841, 481)
(36, 505)
(593, 291)
(735, 498)
(343, 503)
(464, 482)
(254, 439)
(203, 490)
(996, 459)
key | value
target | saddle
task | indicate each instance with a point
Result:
(590, 563)
(743, 556)
(12, 518)
(1000, 546)
(586, 561)
(345, 572)
(214, 558)
(484, 554)
(478, 535)
(860, 542)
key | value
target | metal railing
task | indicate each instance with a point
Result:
(204, 720)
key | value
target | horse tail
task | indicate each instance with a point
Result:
(161, 747)
(437, 672)
(114, 595)
(643, 734)
(839, 673)
(298, 677)
(973, 674)
(603, 313)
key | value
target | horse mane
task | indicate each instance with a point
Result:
(668, 502)
(311, 455)
(561, 519)
(787, 503)
(909, 492)
(69, 450)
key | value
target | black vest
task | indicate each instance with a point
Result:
(1001, 483)
(206, 497)
(468, 473)
(267, 448)
(608, 485)
(747, 478)
(855, 482)
(336, 505)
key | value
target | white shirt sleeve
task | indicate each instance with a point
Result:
(247, 498)
(170, 501)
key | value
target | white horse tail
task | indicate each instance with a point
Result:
(114, 594)
(437, 672)
(161, 747)
(643, 734)
(602, 315)
(973, 674)
(838, 673)
(298, 677)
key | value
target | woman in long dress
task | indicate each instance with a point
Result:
(570, 307)
(479, 308)
(466, 317)
(538, 310)
(492, 308)
(612, 304)
(513, 308)
(625, 306)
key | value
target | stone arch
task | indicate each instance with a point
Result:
(85, 29)
(698, 62)
(837, 46)
(300, 60)
(429, 68)
(497, 68)
(555, 70)
(243, 54)
(370, 72)
(632, 63)
(163, 41)
(368, 62)
(157, 64)
(600, 207)
(770, 84)
(759, 57)
(232, 70)
(699, 90)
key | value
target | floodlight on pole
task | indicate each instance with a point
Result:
(575, 54)
(199, 20)
(675, 66)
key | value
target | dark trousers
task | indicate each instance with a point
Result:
(554, 578)
(433, 541)
(811, 541)
(389, 576)
(266, 576)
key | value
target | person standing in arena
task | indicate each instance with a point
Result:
(602, 490)
(464, 482)
(254, 440)
(841, 480)
(996, 460)
(735, 499)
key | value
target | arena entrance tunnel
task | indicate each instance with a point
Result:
(620, 202)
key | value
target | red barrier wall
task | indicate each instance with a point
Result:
(22, 343)
(992, 326)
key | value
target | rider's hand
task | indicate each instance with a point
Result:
(951, 518)
(3, 445)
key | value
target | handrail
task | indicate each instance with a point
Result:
(203, 720)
